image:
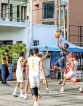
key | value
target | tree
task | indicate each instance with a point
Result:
(14, 50)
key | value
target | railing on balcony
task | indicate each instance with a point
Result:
(14, 11)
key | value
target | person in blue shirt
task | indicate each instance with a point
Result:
(60, 63)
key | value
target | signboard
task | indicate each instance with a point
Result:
(53, 59)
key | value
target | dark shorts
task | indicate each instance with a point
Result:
(60, 64)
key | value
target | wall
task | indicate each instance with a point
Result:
(37, 12)
(75, 17)
(14, 33)
(43, 33)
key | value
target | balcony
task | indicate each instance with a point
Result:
(13, 22)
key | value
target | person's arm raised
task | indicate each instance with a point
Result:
(45, 54)
(59, 43)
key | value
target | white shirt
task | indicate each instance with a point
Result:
(33, 63)
(19, 67)
(75, 67)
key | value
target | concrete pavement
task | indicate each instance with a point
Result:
(71, 96)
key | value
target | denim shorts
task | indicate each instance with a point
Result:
(60, 64)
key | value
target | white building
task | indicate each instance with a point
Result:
(13, 32)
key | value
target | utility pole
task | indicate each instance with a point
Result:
(31, 23)
(64, 5)
(59, 13)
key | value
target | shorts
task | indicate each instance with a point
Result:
(71, 75)
(19, 75)
(60, 64)
(41, 76)
(34, 78)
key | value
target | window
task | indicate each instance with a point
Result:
(6, 42)
(4, 11)
(11, 12)
(24, 0)
(36, 42)
(48, 23)
(23, 13)
(48, 10)
(18, 13)
(18, 41)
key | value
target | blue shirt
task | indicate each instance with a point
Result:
(62, 55)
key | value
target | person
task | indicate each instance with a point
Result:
(34, 64)
(72, 74)
(27, 79)
(60, 63)
(41, 78)
(19, 75)
(5, 72)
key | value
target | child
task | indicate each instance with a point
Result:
(72, 74)
(34, 64)
(60, 63)
(19, 76)
(42, 78)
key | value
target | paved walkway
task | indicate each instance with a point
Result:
(71, 96)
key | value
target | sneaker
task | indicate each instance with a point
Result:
(21, 96)
(35, 104)
(15, 95)
(39, 96)
(60, 82)
(25, 97)
(61, 90)
(47, 90)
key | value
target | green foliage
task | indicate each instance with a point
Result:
(14, 50)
